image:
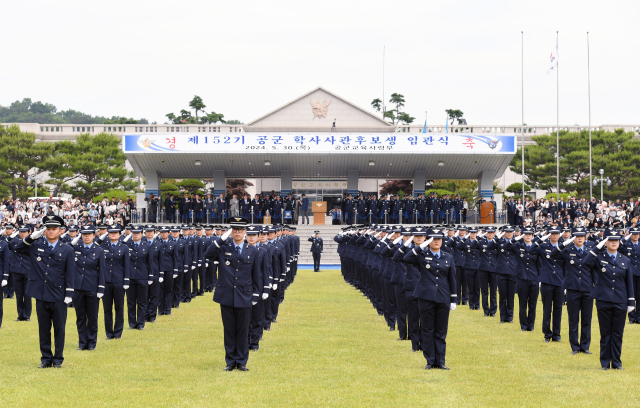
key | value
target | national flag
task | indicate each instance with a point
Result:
(553, 59)
(424, 130)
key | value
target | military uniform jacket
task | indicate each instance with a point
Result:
(238, 275)
(488, 254)
(187, 258)
(472, 255)
(90, 268)
(399, 269)
(527, 257)
(264, 261)
(117, 263)
(507, 263)
(169, 262)
(437, 276)
(316, 245)
(52, 274)
(20, 263)
(614, 282)
(5, 260)
(578, 275)
(155, 257)
(551, 270)
(143, 265)
(412, 275)
(633, 253)
(281, 260)
(181, 253)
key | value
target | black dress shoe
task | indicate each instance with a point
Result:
(57, 365)
(45, 365)
(229, 368)
(274, 320)
(415, 350)
(529, 329)
(401, 338)
(586, 351)
(242, 367)
(486, 314)
(547, 340)
(27, 320)
(502, 321)
(464, 303)
(444, 367)
(91, 349)
(140, 328)
(392, 329)
(80, 349)
(492, 314)
(618, 368)
(605, 368)
(253, 348)
(428, 367)
(574, 352)
(557, 340)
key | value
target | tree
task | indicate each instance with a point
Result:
(233, 122)
(393, 187)
(213, 118)
(468, 189)
(19, 153)
(405, 118)
(516, 188)
(376, 104)
(396, 115)
(455, 114)
(237, 186)
(616, 152)
(192, 186)
(197, 105)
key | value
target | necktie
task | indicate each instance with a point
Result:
(51, 248)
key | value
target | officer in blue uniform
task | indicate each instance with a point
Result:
(8, 287)
(631, 248)
(20, 266)
(155, 257)
(169, 264)
(471, 262)
(236, 291)
(551, 275)
(317, 246)
(182, 254)
(257, 239)
(51, 283)
(486, 247)
(5, 264)
(143, 270)
(436, 293)
(117, 279)
(527, 286)
(506, 269)
(89, 286)
(614, 297)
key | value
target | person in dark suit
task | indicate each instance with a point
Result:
(51, 283)
(304, 207)
(222, 208)
(316, 250)
(143, 271)
(19, 265)
(436, 293)
(117, 278)
(169, 207)
(631, 248)
(237, 290)
(153, 206)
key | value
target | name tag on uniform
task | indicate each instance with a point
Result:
(40, 249)
(428, 259)
(573, 255)
(227, 253)
(605, 262)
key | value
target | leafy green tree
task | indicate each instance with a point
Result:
(376, 104)
(395, 186)
(237, 186)
(192, 186)
(454, 114)
(234, 122)
(517, 188)
(197, 105)
(405, 118)
(212, 118)
(19, 153)
(467, 189)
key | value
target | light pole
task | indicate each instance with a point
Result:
(601, 180)
(35, 178)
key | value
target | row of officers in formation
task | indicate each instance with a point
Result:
(247, 267)
(414, 276)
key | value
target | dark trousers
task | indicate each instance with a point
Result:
(401, 303)
(210, 276)
(276, 298)
(435, 323)
(611, 318)
(201, 272)
(316, 262)
(257, 322)
(528, 299)
(507, 291)
(166, 294)
(461, 285)
(473, 283)
(193, 285)
(488, 288)
(186, 285)
(579, 311)
(303, 215)
(634, 315)
(152, 309)
(1, 309)
(236, 322)
(23, 302)
(177, 290)
(87, 306)
(113, 299)
(137, 301)
(552, 300)
(51, 313)
(9, 289)
(413, 316)
(391, 309)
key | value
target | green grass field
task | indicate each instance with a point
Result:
(329, 348)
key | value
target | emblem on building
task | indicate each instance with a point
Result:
(320, 109)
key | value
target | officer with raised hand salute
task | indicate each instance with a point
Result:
(551, 278)
(20, 266)
(89, 287)
(143, 270)
(236, 291)
(117, 279)
(527, 286)
(51, 283)
(316, 249)
(631, 248)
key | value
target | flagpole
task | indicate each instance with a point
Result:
(557, 125)
(589, 87)
(522, 105)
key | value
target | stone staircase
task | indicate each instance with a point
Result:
(330, 247)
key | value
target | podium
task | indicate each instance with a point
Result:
(487, 215)
(319, 209)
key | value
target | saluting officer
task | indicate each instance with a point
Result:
(254, 237)
(117, 279)
(51, 283)
(551, 272)
(182, 254)
(632, 250)
(236, 291)
(506, 270)
(169, 264)
(471, 262)
(527, 285)
(317, 247)
(20, 266)
(436, 293)
(5, 264)
(88, 287)
(143, 270)
(155, 259)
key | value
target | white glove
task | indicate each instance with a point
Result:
(61, 236)
(193, 267)
(568, 241)
(4, 283)
(125, 287)
(103, 236)
(426, 243)
(226, 234)
(288, 269)
(254, 303)
(539, 284)
(186, 270)
(37, 234)
(75, 240)
(630, 308)
(161, 280)
(565, 291)
(453, 306)
(408, 243)
(519, 237)
(206, 265)
(127, 238)
(4, 229)
(395, 241)
(546, 237)
(275, 286)
(175, 275)
(14, 234)
(265, 296)
(100, 295)
(216, 262)
(68, 300)
(601, 244)
(149, 282)
(199, 265)
(376, 236)
(466, 236)
(480, 235)
(154, 235)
